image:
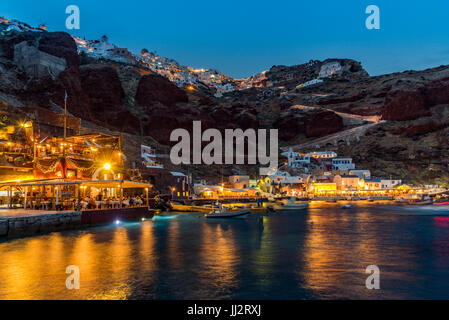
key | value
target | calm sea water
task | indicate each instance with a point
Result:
(320, 253)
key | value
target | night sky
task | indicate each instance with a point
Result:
(241, 38)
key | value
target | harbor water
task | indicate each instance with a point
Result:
(319, 253)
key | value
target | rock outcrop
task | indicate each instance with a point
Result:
(155, 89)
(37, 68)
(404, 105)
(36, 63)
(323, 123)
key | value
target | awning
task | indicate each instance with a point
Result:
(125, 184)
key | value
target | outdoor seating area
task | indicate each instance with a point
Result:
(66, 195)
(112, 203)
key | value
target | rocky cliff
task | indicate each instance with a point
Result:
(37, 68)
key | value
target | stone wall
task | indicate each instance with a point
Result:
(37, 63)
(29, 225)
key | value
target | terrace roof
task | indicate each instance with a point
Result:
(125, 184)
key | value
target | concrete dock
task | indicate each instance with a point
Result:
(20, 222)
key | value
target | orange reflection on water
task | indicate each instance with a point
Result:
(331, 256)
(147, 253)
(174, 245)
(219, 257)
(35, 268)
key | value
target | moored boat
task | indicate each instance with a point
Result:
(225, 213)
(420, 202)
(185, 208)
(401, 200)
(259, 210)
(442, 203)
(291, 204)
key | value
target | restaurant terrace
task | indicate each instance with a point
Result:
(65, 194)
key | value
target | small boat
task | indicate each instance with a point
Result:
(445, 203)
(225, 213)
(291, 204)
(420, 202)
(348, 206)
(258, 210)
(276, 206)
(186, 208)
(331, 200)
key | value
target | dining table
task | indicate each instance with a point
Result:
(99, 204)
(45, 205)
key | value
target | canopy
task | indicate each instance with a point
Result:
(125, 184)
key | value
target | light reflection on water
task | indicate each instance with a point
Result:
(314, 254)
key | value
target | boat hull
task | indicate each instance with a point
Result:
(421, 203)
(185, 208)
(259, 210)
(231, 214)
(292, 207)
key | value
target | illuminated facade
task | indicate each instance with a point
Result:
(88, 157)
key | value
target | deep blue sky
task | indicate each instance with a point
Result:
(244, 37)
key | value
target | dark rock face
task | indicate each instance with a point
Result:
(246, 120)
(105, 95)
(162, 120)
(289, 127)
(424, 128)
(62, 45)
(323, 123)
(354, 98)
(438, 92)
(290, 76)
(7, 43)
(58, 44)
(416, 103)
(103, 89)
(412, 104)
(312, 124)
(402, 105)
(154, 88)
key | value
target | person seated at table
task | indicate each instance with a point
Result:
(84, 204)
(30, 204)
(126, 202)
(38, 203)
(139, 201)
(110, 203)
(92, 204)
(132, 202)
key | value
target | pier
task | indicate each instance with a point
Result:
(20, 222)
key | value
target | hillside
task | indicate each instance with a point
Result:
(331, 104)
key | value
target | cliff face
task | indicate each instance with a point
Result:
(132, 99)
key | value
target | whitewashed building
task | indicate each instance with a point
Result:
(339, 164)
(390, 183)
(362, 174)
(329, 69)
